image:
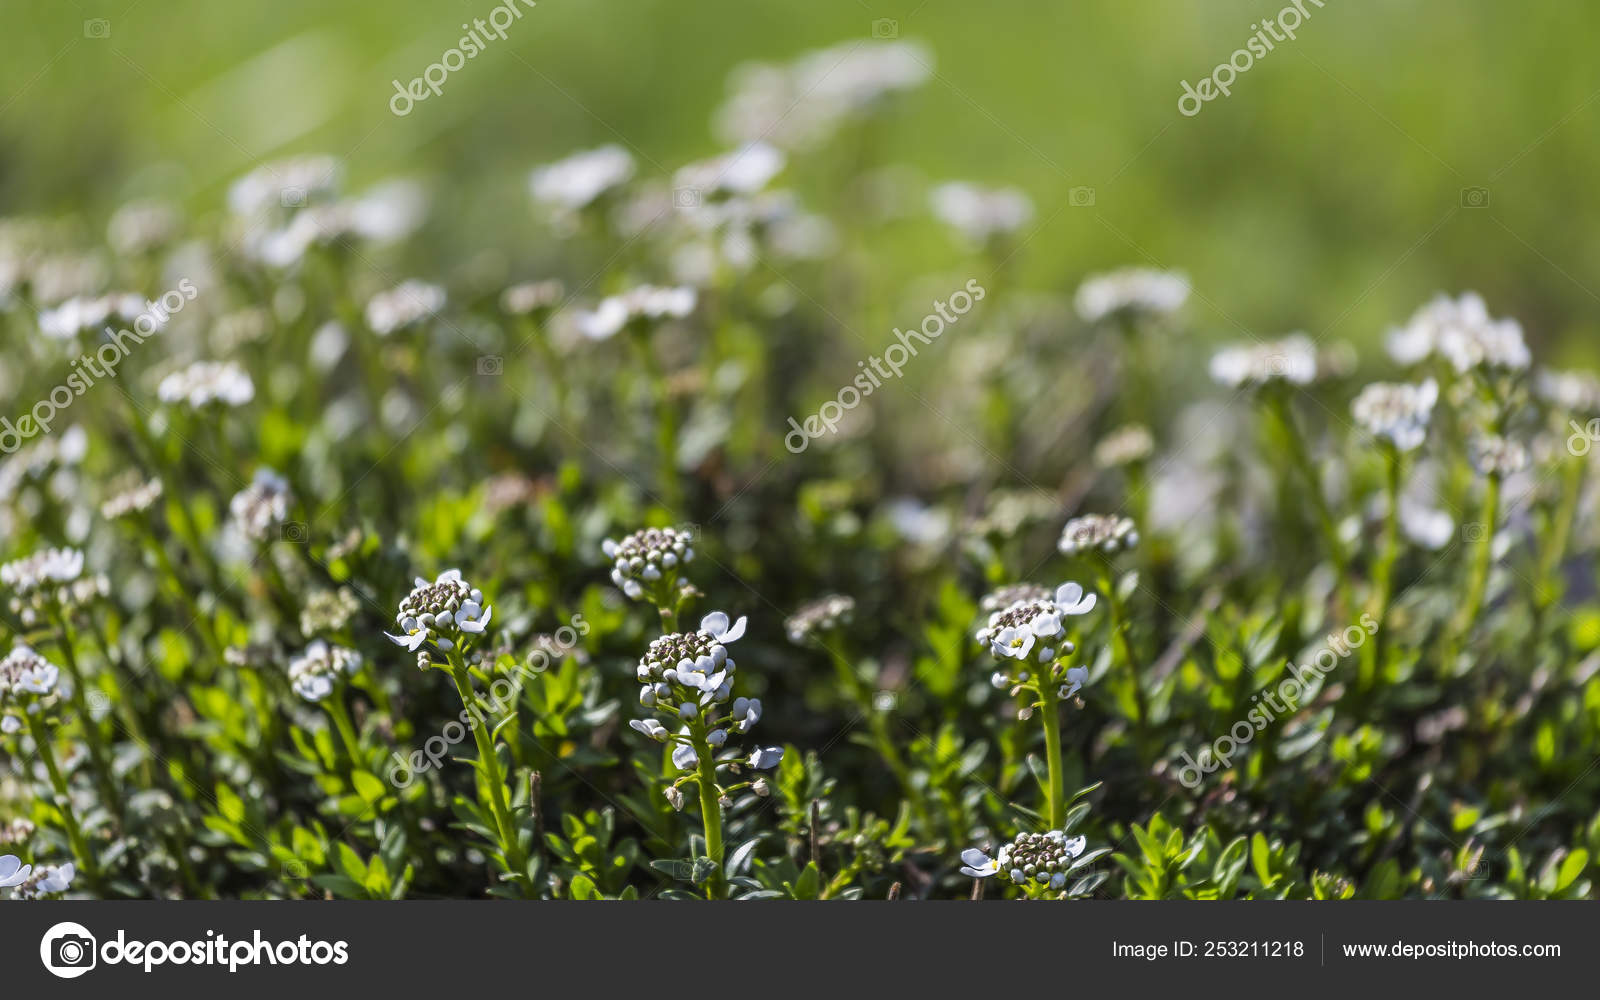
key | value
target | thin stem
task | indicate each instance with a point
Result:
(510, 843)
(1483, 556)
(99, 758)
(340, 713)
(1050, 716)
(69, 818)
(1549, 586)
(1383, 571)
(1301, 456)
(710, 814)
(1122, 649)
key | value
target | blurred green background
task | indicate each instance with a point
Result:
(1325, 193)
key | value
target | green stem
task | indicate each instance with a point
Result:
(710, 814)
(1050, 716)
(1477, 577)
(69, 818)
(340, 713)
(99, 758)
(510, 843)
(1383, 572)
(1549, 587)
(1122, 649)
(1300, 454)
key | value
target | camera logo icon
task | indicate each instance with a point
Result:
(293, 197)
(491, 364)
(686, 197)
(97, 27)
(1474, 197)
(295, 531)
(885, 27)
(1081, 197)
(68, 950)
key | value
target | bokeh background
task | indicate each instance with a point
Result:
(1325, 194)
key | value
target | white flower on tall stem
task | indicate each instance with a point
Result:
(314, 672)
(207, 382)
(403, 306)
(1133, 292)
(446, 613)
(1012, 632)
(1397, 412)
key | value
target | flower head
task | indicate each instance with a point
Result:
(314, 672)
(139, 227)
(262, 506)
(1103, 533)
(981, 214)
(1572, 391)
(819, 616)
(1132, 292)
(532, 298)
(136, 498)
(285, 184)
(328, 611)
(1292, 361)
(405, 305)
(1495, 455)
(1398, 413)
(27, 882)
(207, 382)
(83, 314)
(45, 570)
(25, 678)
(1013, 593)
(647, 563)
(1124, 446)
(1034, 626)
(447, 612)
(1462, 332)
(579, 180)
(637, 308)
(1044, 859)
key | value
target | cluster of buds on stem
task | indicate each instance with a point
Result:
(1032, 630)
(447, 614)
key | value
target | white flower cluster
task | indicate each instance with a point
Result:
(1103, 533)
(1574, 392)
(405, 305)
(134, 499)
(89, 313)
(1131, 292)
(1046, 859)
(532, 298)
(447, 612)
(1397, 412)
(819, 616)
(285, 183)
(1462, 332)
(1496, 455)
(1124, 446)
(328, 611)
(314, 672)
(139, 227)
(25, 677)
(45, 570)
(1013, 593)
(643, 305)
(207, 382)
(981, 214)
(581, 179)
(744, 171)
(647, 563)
(262, 506)
(385, 213)
(27, 883)
(800, 104)
(1036, 628)
(688, 677)
(1292, 360)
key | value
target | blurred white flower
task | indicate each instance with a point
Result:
(407, 304)
(744, 171)
(262, 506)
(139, 227)
(1132, 291)
(207, 382)
(644, 304)
(1397, 412)
(1425, 526)
(1461, 331)
(1104, 533)
(91, 314)
(1292, 360)
(285, 184)
(579, 180)
(314, 672)
(979, 213)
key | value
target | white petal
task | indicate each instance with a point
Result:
(715, 623)
(684, 757)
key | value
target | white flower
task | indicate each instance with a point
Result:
(1573, 391)
(742, 172)
(405, 305)
(1077, 677)
(1398, 413)
(90, 314)
(1046, 859)
(44, 881)
(445, 612)
(45, 569)
(1011, 631)
(1429, 528)
(577, 181)
(684, 758)
(800, 104)
(716, 623)
(141, 226)
(644, 304)
(13, 871)
(262, 506)
(766, 758)
(314, 672)
(1132, 291)
(746, 713)
(650, 728)
(24, 677)
(1292, 360)
(979, 213)
(135, 499)
(1124, 446)
(1461, 331)
(1104, 533)
(649, 561)
(1495, 455)
(273, 187)
(532, 297)
(206, 382)
(820, 616)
